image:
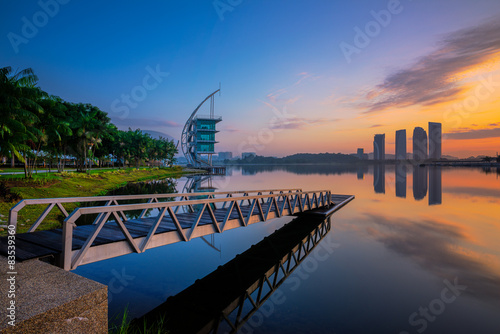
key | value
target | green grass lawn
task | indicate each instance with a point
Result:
(10, 170)
(69, 184)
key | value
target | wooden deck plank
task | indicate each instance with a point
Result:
(49, 239)
(26, 250)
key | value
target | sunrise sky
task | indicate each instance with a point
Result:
(297, 76)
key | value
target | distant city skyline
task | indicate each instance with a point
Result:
(296, 77)
(422, 144)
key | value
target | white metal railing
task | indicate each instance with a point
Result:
(114, 200)
(276, 203)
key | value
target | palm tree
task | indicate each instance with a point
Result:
(54, 127)
(88, 126)
(19, 110)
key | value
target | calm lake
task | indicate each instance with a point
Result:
(417, 251)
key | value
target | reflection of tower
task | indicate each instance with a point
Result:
(379, 147)
(435, 185)
(419, 182)
(200, 184)
(401, 145)
(379, 178)
(435, 134)
(419, 144)
(401, 180)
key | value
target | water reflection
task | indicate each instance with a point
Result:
(379, 178)
(392, 258)
(201, 184)
(425, 178)
(491, 170)
(198, 184)
(362, 170)
(401, 180)
(224, 300)
(302, 169)
(434, 245)
(435, 185)
(420, 176)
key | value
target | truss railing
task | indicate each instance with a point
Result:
(224, 300)
(268, 206)
(52, 203)
(246, 306)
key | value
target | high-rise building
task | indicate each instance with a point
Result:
(379, 147)
(419, 144)
(435, 135)
(401, 145)
(360, 154)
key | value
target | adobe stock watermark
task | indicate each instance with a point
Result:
(118, 283)
(421, 318)
(223, 6)
(324, 249)
(30, 27)
(372, 29)
(139, 93)
(463, 109)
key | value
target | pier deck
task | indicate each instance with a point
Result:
(113, 233)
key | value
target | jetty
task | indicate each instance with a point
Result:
(135, 223)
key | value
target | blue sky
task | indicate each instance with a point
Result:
(272, 58)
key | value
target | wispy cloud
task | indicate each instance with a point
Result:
(474, 134)
(294, 123)
(276, 96)
(230, 129)
(376, 126)
(433, 78)
(145, 123)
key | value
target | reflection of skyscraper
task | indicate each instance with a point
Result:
(362, 170)
(379, 178)
(379, 147)
(435, 185)
(360, 173)
(401, 145)
(419, 144)
(435, 134)
(419, 182)
(401, 180)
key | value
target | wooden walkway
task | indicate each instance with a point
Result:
(106, 238)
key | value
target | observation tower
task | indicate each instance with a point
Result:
(198, 136)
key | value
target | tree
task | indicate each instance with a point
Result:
(88, 124)
(52, 126)
(19, 111)
(140, 144)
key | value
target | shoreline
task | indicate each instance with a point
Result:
(66, 184)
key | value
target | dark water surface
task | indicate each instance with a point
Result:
(417, 251)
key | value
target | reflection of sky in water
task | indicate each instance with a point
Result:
(395, 251)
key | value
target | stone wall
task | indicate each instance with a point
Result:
(50, 300)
